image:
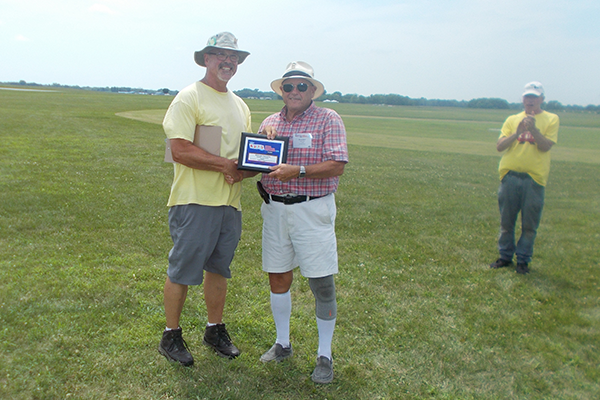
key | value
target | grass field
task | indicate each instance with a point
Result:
(84, 240)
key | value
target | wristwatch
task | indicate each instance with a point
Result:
(302, 172)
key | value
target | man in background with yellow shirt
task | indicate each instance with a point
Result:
(205, 213)
(527, 138)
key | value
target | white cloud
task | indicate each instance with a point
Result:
(21, 38)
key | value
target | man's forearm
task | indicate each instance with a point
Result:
(505, 142)
(543, 143)
(325, 169)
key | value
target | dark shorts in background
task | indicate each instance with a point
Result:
(204, 239)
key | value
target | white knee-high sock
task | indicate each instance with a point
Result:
(281, 306)
(326, 329)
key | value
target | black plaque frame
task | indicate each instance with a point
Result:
(257, 153)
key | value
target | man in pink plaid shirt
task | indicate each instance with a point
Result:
(299, 210)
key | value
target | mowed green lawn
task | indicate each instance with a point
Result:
(84, 241)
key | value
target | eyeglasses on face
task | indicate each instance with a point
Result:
(288, 87)
(223, 56)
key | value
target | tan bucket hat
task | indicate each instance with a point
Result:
(224, 41)
(299, 69)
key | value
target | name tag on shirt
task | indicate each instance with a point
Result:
(302, 140)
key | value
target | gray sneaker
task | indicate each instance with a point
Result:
(323, 372)
(277, 353)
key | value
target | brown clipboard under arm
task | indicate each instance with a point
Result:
(208, 138)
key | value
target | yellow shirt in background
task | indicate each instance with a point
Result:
(523, 154)
(199, 104)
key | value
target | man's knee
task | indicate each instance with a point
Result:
(281, 283)
(325, 299)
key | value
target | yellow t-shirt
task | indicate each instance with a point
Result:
(199, 104)
(523, 154)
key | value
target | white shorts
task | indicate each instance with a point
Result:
(301, 234)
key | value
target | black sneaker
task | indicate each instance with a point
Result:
(216, 336)
(500, 263)
(522, 268)
(174, 348)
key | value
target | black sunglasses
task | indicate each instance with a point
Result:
(288, 87)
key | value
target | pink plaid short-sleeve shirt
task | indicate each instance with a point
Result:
(328, 142)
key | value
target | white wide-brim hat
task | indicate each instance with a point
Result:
(224, 41)
(299, 69)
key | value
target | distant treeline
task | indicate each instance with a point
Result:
(397, 100)
(113, 89)
(337, 97)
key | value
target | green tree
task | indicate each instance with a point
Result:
(554, 105)
(489, 103)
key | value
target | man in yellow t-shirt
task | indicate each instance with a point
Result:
(527, 138)
(204, 215)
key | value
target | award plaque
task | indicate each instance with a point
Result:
(257, 153)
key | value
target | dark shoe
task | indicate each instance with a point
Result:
(500, 263)
(216, 336)
(522, 268)
(323, 372)
(277, 353)
(174, 348)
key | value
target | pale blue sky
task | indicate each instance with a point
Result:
(437, 49)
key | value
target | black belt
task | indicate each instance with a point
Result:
(522, 175)
(292, 199)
